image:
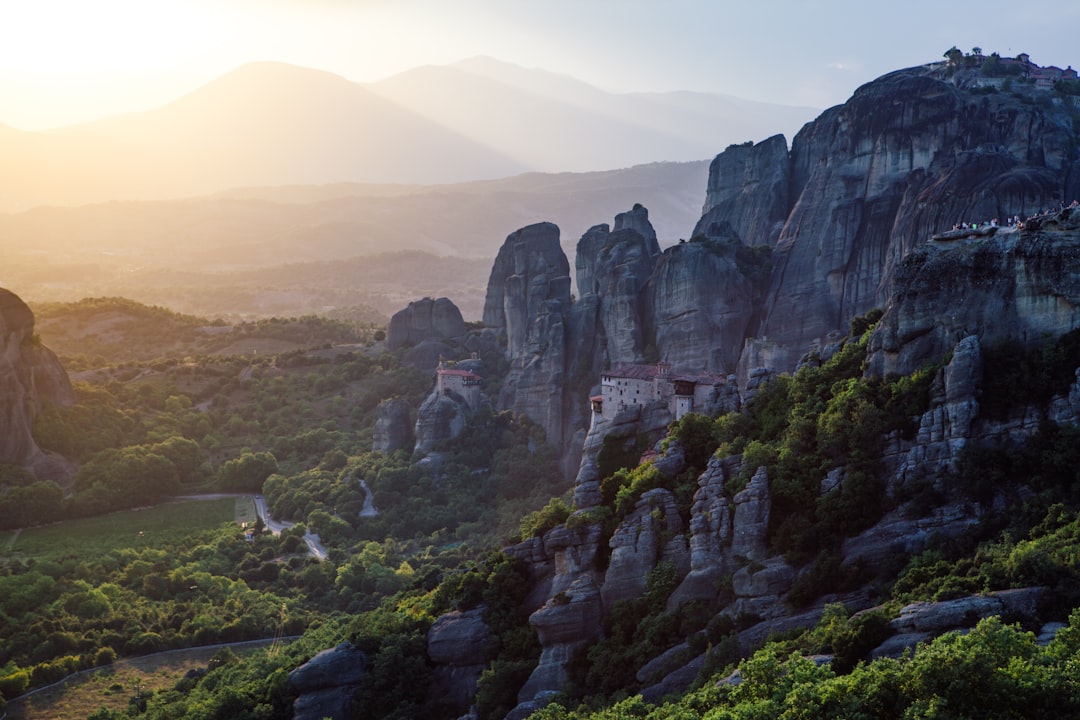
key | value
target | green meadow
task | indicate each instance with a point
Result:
(141, 528)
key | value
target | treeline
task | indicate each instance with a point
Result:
(111, 331)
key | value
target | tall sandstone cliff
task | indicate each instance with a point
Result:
(30, 375)
(909, 154)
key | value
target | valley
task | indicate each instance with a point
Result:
(800, 460)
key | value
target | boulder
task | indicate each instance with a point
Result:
(345, 664)
(753, 505)
(393, 429)
(568, 621)
(937, 617)
(426, 319)
(456, 645)
(332, 703)
(458, 638)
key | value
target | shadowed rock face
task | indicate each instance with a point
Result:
(392, 430)
(425, 320)
(701, 305)
(30, 375)
(749, 187)
(910, 154)
(1023, 286)
(613, 267)
(528, 303)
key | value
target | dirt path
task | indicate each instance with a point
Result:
(14, 536)
(111, 686)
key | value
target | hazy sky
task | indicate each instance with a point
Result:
(64, 61)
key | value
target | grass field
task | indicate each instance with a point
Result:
(114, 686)
(148, 527)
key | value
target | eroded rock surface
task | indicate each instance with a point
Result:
(393, 429)
(425, 320)
(30, 375)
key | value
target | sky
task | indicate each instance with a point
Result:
(69, 61)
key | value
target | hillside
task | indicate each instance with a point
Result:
(278, 124)
(818, 460)
(261, 252)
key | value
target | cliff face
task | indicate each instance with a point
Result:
(1016, 285)
(749, 187)
(613, 267)
(910, 154)
(30, 375)
(528, 304)
(701, 304)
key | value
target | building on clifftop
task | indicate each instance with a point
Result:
(631, 385)
(462, 382)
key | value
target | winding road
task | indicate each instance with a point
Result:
(312, 540)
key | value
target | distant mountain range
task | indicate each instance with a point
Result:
(291, 250)
(271, 124)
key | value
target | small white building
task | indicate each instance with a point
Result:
(462, 382)
(643, 384)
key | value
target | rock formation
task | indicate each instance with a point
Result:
(440, 419)
(701, 304)
(392, 427)
(1015, 285)
(613, 267)
(527, 303)
(570, 620)
(651, 534)
(909, 154)
(749, 188)
(327, 683)
(425, 320)
(456, 645)
(30, 375)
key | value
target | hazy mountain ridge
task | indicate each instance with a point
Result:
(276, 124)
(164, 252)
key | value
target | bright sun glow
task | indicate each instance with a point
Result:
(73, 37)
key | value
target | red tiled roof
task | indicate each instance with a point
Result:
(458, 373)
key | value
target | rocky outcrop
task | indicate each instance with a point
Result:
(440, 419)
(30, 375)
(909, 155)
(701, 304)
(651, 534)
(629, 422)
(528, 303)
(612, 270)
(710, 536)
(327, 683)
(1021, 285)
(753, 505)
(425, 320)
(570, 620)
(393, 429)
(748, 188)
(456, 645)
(945, 429)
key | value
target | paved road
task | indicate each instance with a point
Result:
(312, 540)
